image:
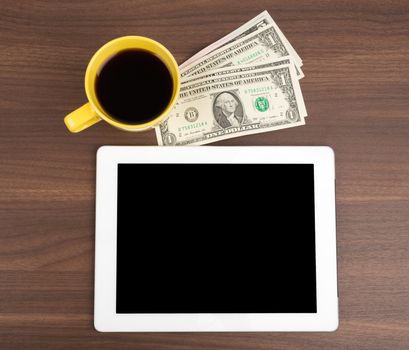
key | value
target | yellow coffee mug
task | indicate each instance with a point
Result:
(92, 112)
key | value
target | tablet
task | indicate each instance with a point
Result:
(215, 239)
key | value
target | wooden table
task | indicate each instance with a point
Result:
(356, 89)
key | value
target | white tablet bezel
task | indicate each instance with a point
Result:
(105, 316)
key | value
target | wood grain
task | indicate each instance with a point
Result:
(356, 62)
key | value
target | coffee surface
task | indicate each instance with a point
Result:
(134, 86)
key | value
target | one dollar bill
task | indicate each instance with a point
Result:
(226, 106)
(233, 70)
(236, 69)
(259, 46)
(249, 27)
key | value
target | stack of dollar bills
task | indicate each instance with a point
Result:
(245, 83)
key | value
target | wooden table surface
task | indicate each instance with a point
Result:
(356, 89)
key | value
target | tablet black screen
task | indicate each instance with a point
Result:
(216, 238)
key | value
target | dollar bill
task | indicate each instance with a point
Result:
(249, 27)
(226, 106)
(262, 45)
(186, 84)
(234, 69)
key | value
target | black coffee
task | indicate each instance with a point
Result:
(134, 86)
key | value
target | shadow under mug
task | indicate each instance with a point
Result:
(92, 112)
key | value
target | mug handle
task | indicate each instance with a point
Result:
(81, 118)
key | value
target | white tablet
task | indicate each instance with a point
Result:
(215, 239)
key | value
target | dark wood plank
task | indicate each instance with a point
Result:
(356, 61)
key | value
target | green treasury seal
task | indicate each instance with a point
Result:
(261, 104)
